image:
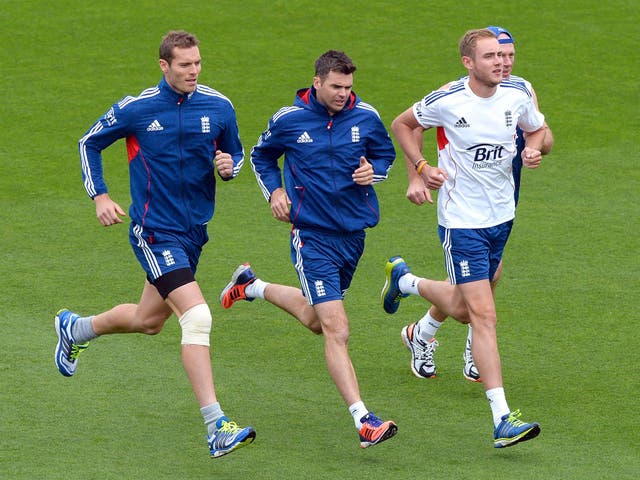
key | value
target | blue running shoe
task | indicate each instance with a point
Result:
(234, 291)
(375, 431)
(510, 430)
(391, 295)
(67, 350)
(229, 437)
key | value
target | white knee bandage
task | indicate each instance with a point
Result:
(196, 325)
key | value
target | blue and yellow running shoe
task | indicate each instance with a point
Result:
(229, 437)
(391, 295)
(510, 430)
(67, 350)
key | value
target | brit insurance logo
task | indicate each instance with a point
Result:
(486, 155)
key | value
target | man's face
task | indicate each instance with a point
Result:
(333, 92)
(486, 63)
(182, 73)
(508, 56)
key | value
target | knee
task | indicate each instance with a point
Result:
(153, 325)
(486, 323)
(152, 329)
(336, 333)
(196, 325)
(315, 326)
(461, 314)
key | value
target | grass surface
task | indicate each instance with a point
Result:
(567, 302)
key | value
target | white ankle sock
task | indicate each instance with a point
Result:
(357, 411)
(256, 289)
(82, 330)
(428, 327)
(498, 404)
(408, 283)
(211, 414)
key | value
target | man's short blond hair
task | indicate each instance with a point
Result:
(469, 41)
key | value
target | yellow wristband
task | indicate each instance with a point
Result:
(421, 165)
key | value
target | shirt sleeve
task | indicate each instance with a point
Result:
(380, 151)
(531, 119)
(109, 128)
(264, 159)
(229, 142)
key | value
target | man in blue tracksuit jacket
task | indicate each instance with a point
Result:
(177, 135)
(335, 148)
(322, 150)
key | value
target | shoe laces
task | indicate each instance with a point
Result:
(398, 297)
(513, 418)
(229, 427)
(424, 351)
(372, 421)
(76, 350)
(468, 356)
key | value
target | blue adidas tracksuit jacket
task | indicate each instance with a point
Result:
(321, 152)
(171, 141)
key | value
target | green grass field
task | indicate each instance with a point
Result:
(567, 303)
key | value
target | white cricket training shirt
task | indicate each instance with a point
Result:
(476, 144)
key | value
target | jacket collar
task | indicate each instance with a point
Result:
(306, 98)
(172, 94)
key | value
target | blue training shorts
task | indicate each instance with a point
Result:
(472, 254)
(161, 252)
(325, 262)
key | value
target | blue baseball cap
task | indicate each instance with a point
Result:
(499, 30)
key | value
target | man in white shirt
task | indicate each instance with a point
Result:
(476, 120)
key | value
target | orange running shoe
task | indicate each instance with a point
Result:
(235, 289)
(375, 431)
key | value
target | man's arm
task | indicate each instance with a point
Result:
(533, 142)
(229, 156)
(405, 127)
(417, 191)
(380, 152)
(103, 133)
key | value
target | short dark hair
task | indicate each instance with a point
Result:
(179, 39)
(333, 61)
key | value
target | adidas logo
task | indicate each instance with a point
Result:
(305, 138)
(155, 126)
(462, 123)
